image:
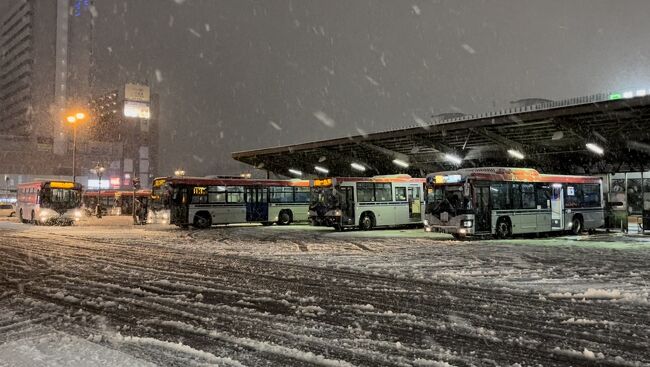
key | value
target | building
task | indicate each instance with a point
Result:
(46, 70)
(45, 64)
(127, 119)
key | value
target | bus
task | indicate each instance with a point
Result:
(113, 202)
(367, 202)
(49, 202)
(501, 202)
(159, 201)
(202, 202)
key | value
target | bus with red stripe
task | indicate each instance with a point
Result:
(367, 202)
(49, 202)
(502, 202)
(113, 202)
(203, 202)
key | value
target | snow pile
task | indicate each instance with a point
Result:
(310, 311)
(585, 354)
(175, 347)
(604, 294)
(62, 350)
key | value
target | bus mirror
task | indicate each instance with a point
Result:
(466, 189)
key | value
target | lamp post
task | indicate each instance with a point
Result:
(99, 171)
(74, 119)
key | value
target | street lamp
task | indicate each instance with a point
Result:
(99, 171)
(179, 173)
(74, 119)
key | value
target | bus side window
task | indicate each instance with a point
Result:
(543, 196)
(400, 194)
(528, 196)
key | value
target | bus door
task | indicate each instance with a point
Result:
(557, 202)
(257, 207)
(181, 207)
(415, 203)
(347, 203)
(483, 215)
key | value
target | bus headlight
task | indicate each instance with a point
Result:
(77, 213)
(338, 213)
(467, 223)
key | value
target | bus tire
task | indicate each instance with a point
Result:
(504, 228)
(366, 221)
(33, 219)
(285, 217)
(20, 216)
(576, 225)
(202, 220)
(338, 228)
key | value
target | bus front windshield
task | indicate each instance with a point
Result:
(160, 198)
(448, 198)
(60, 198)
(324, 198)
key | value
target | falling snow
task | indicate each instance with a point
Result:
(326, 120)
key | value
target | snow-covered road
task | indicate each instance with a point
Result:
(299, 295)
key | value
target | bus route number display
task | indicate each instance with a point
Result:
(200, 190)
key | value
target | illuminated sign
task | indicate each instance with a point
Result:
(448, 179)
(158, 183)
(137, 109)
(61, 185)
(115, 181)
(94, 184)
(200, 190)
(322, 182)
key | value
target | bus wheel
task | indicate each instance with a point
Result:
(576, 226)
(503, 229)
(20, 216)
(202, 220)
(284, 218)
(33, 220)
(338, 228)
(366, 223)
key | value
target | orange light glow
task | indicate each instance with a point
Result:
(80, 115)
(71, 119)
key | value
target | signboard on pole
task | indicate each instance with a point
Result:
(136, 92)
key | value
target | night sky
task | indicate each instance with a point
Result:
(236, 75)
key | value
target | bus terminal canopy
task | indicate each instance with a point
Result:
(603, 133)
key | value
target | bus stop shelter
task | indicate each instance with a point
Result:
(607, 134)
(549, 136)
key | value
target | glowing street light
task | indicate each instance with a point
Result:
(179, 173)
(595, 148)
(74, 119)
(516, 154)
(99, 171)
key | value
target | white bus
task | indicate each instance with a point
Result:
(49, 202)
(501, 202)
(367, 202)
(202, 202)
